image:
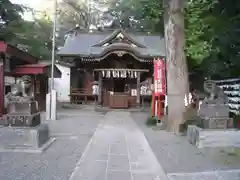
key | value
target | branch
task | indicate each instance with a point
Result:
(79, 11)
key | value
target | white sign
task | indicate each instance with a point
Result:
(133, 92)
(158, 86)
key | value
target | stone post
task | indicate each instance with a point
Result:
(99, 88)
(2, 59)
(138, 89)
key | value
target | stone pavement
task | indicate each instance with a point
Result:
(182, 161)
(211, 175)
(118, 150)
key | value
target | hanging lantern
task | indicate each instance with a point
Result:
(118, 74)
(123, 74)
(114, 74)
(132, 75)
(129, 74)
(108, 74)
(103, 73)
(135, 74)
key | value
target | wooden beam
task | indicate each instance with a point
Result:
(99, 88)
(2, 59)
(137, 70)
(138, 89)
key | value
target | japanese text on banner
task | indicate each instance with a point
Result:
(159, 77)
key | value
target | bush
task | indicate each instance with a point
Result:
(151, 121)
(196, 120)
(236, 118)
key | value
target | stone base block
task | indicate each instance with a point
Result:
(24, 137)
(19, 107)
(217, 123)
(202, 138)
(30, 120)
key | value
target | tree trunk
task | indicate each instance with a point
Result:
(177, 73)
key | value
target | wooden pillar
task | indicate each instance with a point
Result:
(2, 59)
(100, 88)
(138, 89)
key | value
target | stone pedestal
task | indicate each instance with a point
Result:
(203, 138)
(215, 116)
(22, 114)
(30, 120)
(218, 123)
(24, 137)
(25, 131)
(213, 110)
(25, 108)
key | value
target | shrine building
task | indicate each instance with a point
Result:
(119, 62)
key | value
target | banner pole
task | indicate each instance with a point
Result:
(159, 108)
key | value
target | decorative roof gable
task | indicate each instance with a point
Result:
(119, 36)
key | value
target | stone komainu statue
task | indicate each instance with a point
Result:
(22, 86)
(216, 94)
(20, 91)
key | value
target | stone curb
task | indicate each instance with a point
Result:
(39, 150)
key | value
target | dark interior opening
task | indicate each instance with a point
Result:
(119, 85)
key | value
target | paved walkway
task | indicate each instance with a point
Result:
(118, 150)
(211, 175)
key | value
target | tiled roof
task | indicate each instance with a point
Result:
(84, 44)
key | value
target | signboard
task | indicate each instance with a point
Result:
(159, 77)
(133, 92)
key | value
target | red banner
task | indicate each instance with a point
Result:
(159, 77)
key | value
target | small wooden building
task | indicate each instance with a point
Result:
(16, 63)
(118, 60)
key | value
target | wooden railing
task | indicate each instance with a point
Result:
(80, 96)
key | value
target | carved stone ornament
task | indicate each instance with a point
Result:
(20, 90)
(68, 60)
(119, 53)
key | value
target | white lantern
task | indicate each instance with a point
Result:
(108, 74)
(103, 73)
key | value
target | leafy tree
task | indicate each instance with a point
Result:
(34, 37)
(10, 18)
(224, 60)
(31, 36)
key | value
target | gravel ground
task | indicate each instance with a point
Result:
(72, 133)
(176, 155)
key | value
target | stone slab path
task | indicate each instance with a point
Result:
(211, 175)
(118, 151)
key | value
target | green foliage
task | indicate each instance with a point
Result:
(10, 18)
(211, 29)
(199, 29)
(31, 36)
(35, 37)
(236, 118)
(151, 121)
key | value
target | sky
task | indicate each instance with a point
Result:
(36, 4)
(32, 3)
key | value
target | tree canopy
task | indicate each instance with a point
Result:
(31, 36)
(10, 18)
(211, 32)
(211, 28)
